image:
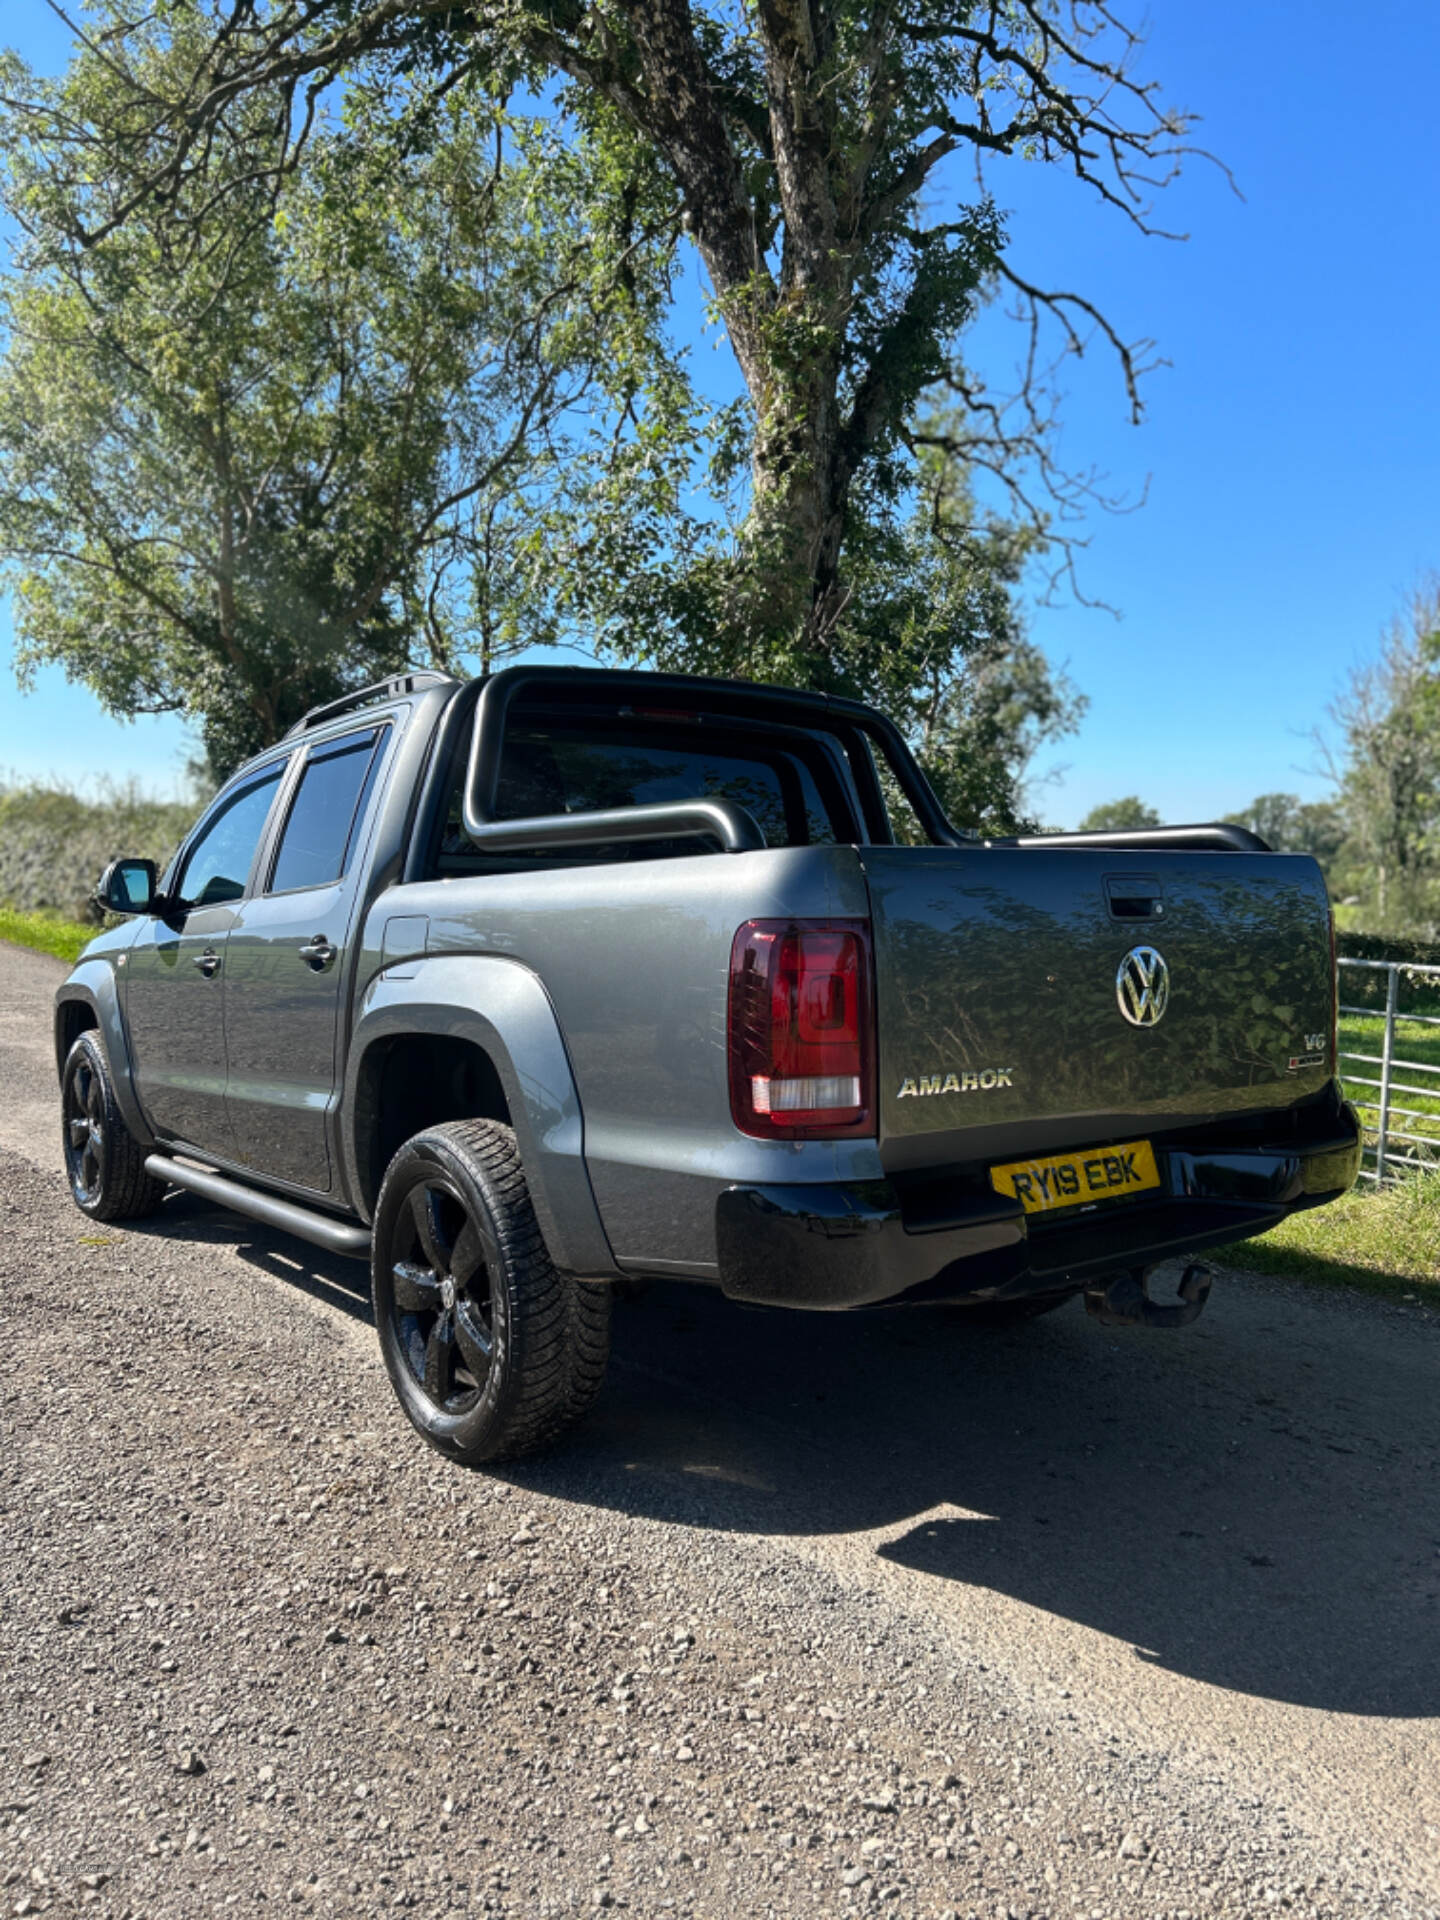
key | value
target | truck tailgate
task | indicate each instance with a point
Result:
(1000, 1019)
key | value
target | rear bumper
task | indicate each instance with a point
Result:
(948, 1240)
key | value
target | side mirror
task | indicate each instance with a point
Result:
(128, 886)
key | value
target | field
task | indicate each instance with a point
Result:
(1415, 1083)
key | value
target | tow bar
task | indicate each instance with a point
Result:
(1122, 1300)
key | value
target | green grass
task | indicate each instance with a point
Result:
(1386, 1242)
(1418, 1113)
(46, 932)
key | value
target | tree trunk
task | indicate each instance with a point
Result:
(798, 500)
(786, 331)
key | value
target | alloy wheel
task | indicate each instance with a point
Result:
(85, 1132)
(443, 1266)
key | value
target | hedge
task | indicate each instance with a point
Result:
(1366, 987)
(54, 845)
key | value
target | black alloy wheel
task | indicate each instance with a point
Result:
(491, 1350)
(104, 1162)
(442, 1283)
(83, 1104)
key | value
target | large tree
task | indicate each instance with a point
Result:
(248, 461)
(828, 158)
(1388, 769)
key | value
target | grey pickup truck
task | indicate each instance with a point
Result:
(531, 987)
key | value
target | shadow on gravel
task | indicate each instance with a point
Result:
(1246, 1503)
(1252, 1502)
(340, 1283)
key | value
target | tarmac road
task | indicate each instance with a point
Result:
(1164, 1607)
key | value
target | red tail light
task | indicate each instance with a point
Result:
(802, 1046)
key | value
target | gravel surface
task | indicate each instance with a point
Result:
(814, 1616)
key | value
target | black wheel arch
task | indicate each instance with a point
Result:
(483, 1041)
(407, 1082)
(73, 1017)
(88, 1001)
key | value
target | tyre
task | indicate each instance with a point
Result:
(492, 1352)
(104, 1162)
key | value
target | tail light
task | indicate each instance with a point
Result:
(802, 1043)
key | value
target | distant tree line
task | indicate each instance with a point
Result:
(1289, 824)
(54, 842)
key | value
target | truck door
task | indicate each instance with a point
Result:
(286, 966)
(175, 971)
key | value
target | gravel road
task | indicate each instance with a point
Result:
(814, 1616)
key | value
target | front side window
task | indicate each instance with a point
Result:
(326, 813)
(217, 865)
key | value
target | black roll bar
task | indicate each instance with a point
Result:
(1217, 837)
(733, 826)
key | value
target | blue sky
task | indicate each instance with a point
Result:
(1291, 449)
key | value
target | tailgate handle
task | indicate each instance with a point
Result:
(1134, 896)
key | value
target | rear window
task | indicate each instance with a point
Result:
(793, 794)
(326, 812)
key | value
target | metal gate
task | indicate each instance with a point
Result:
(1398, 1138)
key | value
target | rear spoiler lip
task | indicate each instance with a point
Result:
(1217, 837)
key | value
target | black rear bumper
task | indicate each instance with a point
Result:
(947, 1239)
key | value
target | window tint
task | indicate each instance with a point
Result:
(218, 864)
(325, 813)
(547, 770)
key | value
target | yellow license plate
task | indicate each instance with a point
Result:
(1069, 1179)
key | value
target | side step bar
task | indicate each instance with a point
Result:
(320, 1228)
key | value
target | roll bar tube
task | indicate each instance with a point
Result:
(1217, 837)
(733, 826)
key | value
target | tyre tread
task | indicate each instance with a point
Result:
(560, 1327)
(127, 1191)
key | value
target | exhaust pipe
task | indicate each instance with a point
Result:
(1123, 1301)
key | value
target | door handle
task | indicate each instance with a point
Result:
(318, 953)
(208, 962)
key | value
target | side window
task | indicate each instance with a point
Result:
(218, 865)
(327, 811)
